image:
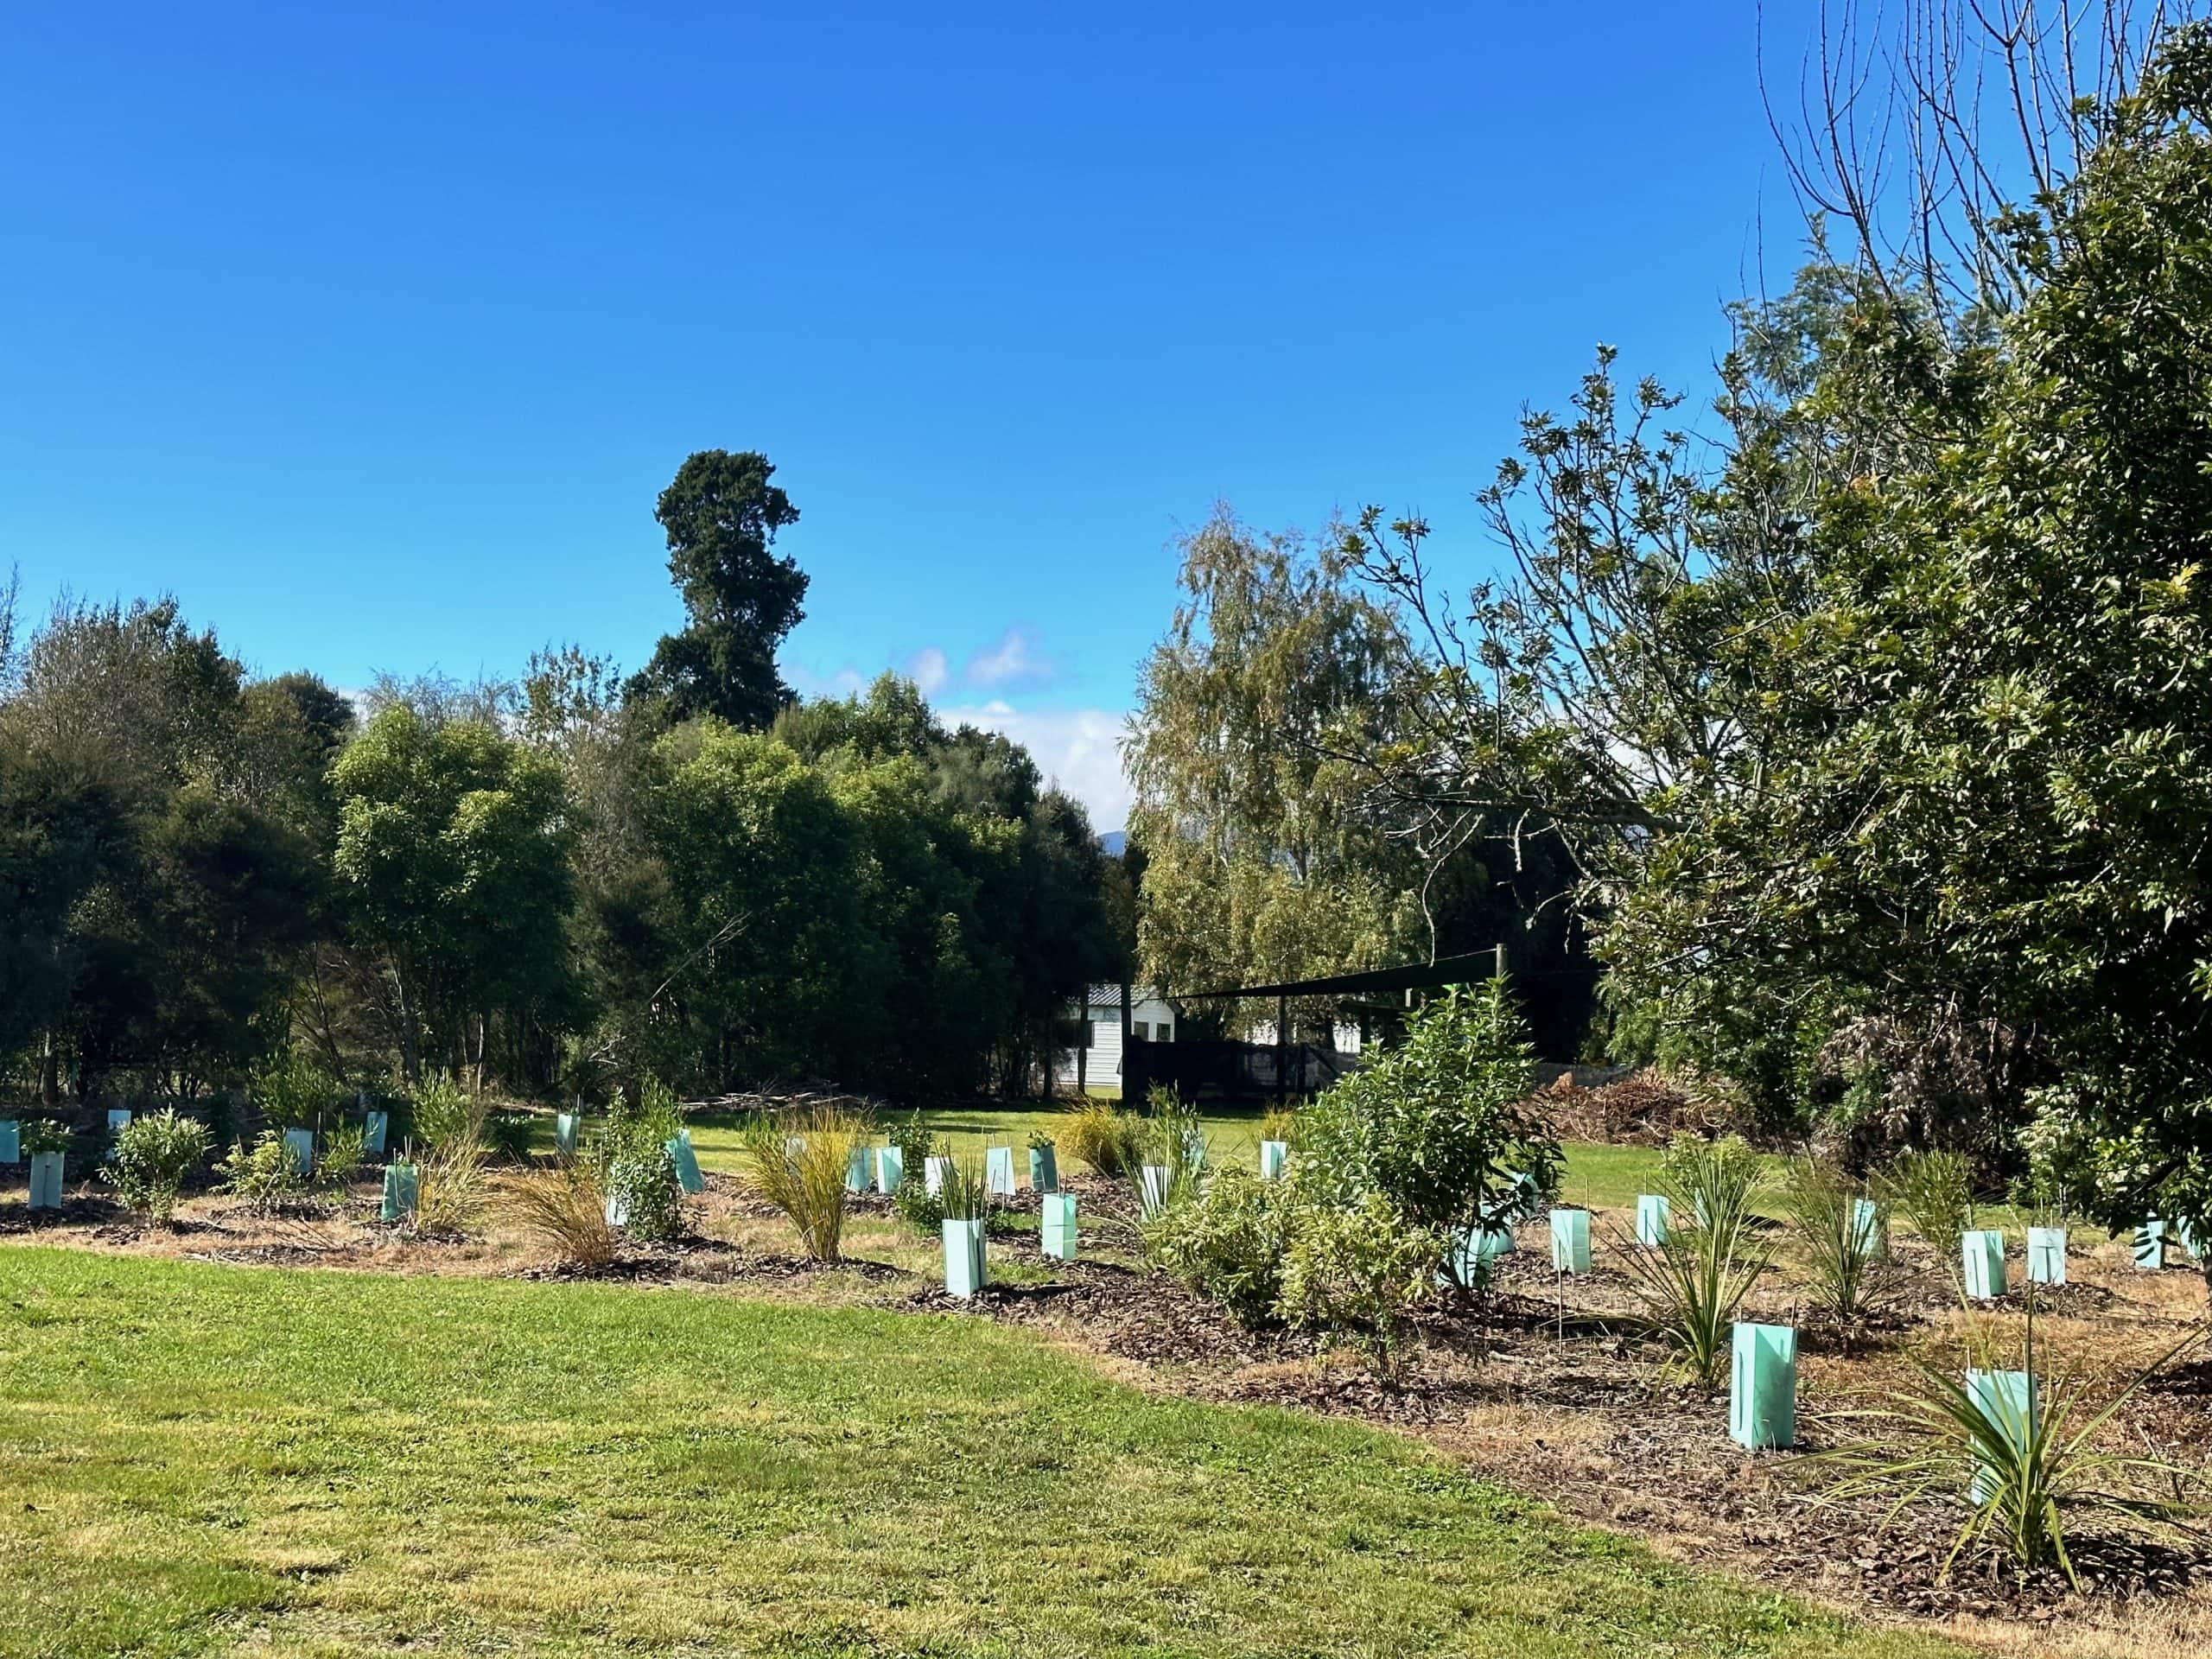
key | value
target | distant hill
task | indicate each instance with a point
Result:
(1114, 840)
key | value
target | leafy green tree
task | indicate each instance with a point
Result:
(452, 864)
(721, 515)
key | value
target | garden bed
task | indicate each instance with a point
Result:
(1543, 1384)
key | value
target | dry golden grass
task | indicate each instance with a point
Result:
(800, 1162)
(563, 1210)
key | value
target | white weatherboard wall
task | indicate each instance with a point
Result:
(1102, 1062)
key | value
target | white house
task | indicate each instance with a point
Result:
(1096, 1063)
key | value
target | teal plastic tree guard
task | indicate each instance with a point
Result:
(1651, 1218)
(1044, 1168)
(1762, 1386)
(1866, 1227)
(933, 1170)
(376, 1132)
(1060, 1226)
(1153, 1189)
(964, 1257)
(1275, 1155)
(1194, 1148)
(2150, 1245)
(1472, 1249)
(1571, 1241)
(2006, 1401)
(301, 1144)
(565, 1125)
(11, 1141)
(998, 1171)
(403, 1186)
(46, 1180)
(618, 1209)
(1983, 1255)
(687, 1164)
(2046, 1255)
(119, 1120)
(890, 1169)
(857, 1171)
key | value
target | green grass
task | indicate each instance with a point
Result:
(202, 1459)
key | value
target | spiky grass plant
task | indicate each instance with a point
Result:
(1716, 1184)
(1934, 1191)
(799, 1162)
(564, 1210)
(963, 1193)
(451, 1183)
(1689, 1289)
(1170, 1140)
(2022, 1476)
(1845, 1275)
(1104, 1136)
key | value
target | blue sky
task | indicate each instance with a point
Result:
(373, 333)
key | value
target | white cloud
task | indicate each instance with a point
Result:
(1014, 658)
(844, 683)
(1078, 749)
(928, 670)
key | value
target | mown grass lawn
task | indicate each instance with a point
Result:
(203, 1460)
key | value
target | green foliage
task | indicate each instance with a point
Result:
(444, 1113)
(1358, 1273)
(509, 1134)
(40, 1134)
(345, 1154)
(2024, 1478)
(721, 515)
(451, 866)
(1690, 1288)
(266, 1175)
(1227, 1241)
(800, 1162)
(291, 1091)
(1170, 1139)
(636, 1166)
(963, 1194)
(912, 1201)
(154, 1156)
(1846, 1276)
(1440, 1124)
(1714, 1183)
(1934, 1191)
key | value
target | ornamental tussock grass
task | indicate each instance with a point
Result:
(1935, 1190)
(800, 1162)
(1847, 1277)
(563, 1209)
(1104, 1136)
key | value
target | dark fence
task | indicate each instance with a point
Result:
(1231, 1072)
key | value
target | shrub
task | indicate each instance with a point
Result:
(800, 1162)
(1358, 1272)
(1845, 1277)
(1439, 1126)
(1104, 1136)
(291, 1091)
(40, 1135)
(1279, 1124)
(267, 1175)
(443, 1112)
(564, 1209)
(508, 1134)
(636, 1167)
(1935, 1190)
(345, 1154)
(1227, 1243)
(153, 1158)
(913, 1202)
